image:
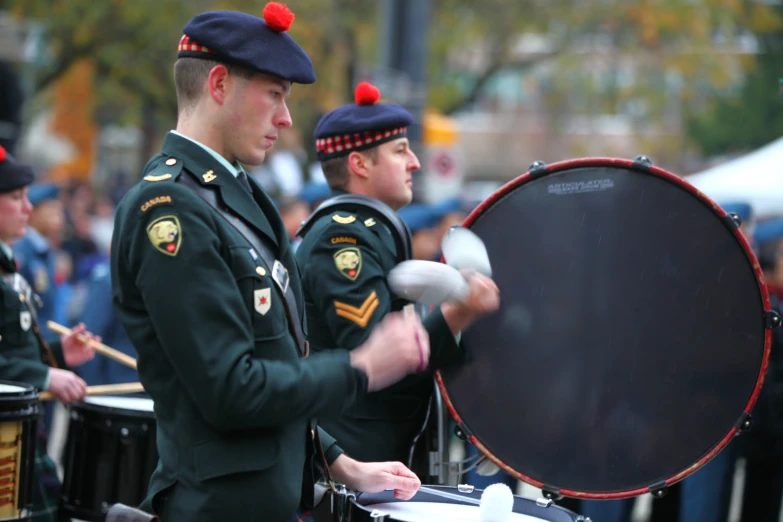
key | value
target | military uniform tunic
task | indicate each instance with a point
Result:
(232, 396)
(345, 259)
(22, 360)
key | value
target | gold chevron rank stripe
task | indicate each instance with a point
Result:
(361, 315)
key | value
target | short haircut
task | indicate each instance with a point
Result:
(337, 172)
(190, 75)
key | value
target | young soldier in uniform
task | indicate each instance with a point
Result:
(345, 258)
(24, 355)
(206, 285)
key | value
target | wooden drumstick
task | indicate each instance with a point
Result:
(102, 389)
(101, 348)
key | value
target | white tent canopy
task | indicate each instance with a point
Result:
(756, 178)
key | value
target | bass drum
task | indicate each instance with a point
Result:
(633, 333)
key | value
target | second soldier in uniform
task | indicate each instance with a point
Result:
(344, 258)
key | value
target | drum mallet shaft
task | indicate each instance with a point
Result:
(450, 496)
(101, 389)
(101, 348)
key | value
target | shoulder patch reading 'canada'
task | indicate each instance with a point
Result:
(165, 234)
(349, 262)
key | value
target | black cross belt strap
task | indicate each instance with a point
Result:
(279, 272)
(46, 352)
(349, 202)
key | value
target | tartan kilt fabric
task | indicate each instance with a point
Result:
(46, 484)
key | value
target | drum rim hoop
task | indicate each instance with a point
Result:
(543, 170)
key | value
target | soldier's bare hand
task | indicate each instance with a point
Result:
(76, 349)
(374, 477)
(483, 298)
(399, 345)
(66, 385)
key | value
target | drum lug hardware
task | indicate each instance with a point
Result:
(105, 507)
(462, 432)
(551, 492)
(465, 488)
(537, 169)
(659, 490)
(733, 220)
(378, 515)
(108, 423)
(544, 502)
(582, 518)
(124, 432)
(771, 319)
(643, 161)
(744, 423)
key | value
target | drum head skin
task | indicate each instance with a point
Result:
(426, 507)
(632, 336)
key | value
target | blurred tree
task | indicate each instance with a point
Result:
(670, 45)
(748, 117)
(133, 46)
(72, 116)
(617, 52)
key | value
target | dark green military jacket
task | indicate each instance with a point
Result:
(21, 353)
(344, 259)
(232, 396)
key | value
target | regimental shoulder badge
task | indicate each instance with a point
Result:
(25, 320)
(369, 222)
(262, 300)
(349, 262)
(165, 234)
(344, 220)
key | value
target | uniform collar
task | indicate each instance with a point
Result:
(233, 169)
(7, 258)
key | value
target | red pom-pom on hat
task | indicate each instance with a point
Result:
(2, 154)
(278, 17)
(366, 94)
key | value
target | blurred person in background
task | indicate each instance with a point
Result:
(762, 446)
(314, 193)
(101, 318)
(25, 357)
(11, 103)
(36, 252)
(293, 211)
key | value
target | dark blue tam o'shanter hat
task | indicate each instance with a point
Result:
(261, 45)
(13, 175)
(361, 125)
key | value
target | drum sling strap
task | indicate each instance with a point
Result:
(280, 277)
(14, 280)
(380, 211)
(279, 272)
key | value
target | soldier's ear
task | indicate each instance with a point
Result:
(218, 83)
(358, 165)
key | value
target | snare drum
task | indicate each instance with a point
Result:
(109, 456)
(427, 507)
(19, 413)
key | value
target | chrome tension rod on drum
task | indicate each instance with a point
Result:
(451, 496)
